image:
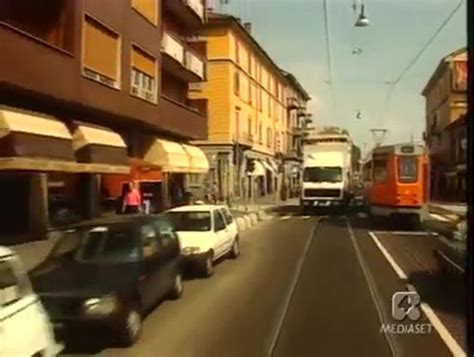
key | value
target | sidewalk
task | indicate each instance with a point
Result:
(449, 212)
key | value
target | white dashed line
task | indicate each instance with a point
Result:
(305, 217)
(285, 218)
(403, 233)
(443, 332)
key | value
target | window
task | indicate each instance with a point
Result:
(250, 65)
(143, 75)
(149, 241)
(166, 233)
(260, 100)
(101, 55)
(237, 83)
(13, 284)
(147, 8)
(249, 125)
(407, 169)
(199, 221)
(237, 122)
(260, 133)
(227, 216)
(237, 52)
(250, 92)
(269, 137)
(379, 171)
(322, 174)
(219, 223)
(269, 102)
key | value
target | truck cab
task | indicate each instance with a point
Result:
(325, 180)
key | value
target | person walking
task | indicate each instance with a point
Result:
(132, 201)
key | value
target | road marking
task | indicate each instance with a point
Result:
(372, 288)
(292, 290)
(363, 215)
(404, 233)
(389, 258)
(285, 218)
(450, 261)
(448, 339)
(443, 332)
(305, 217)
(439, 217)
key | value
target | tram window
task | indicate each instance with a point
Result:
(407, 169)
(380, 171)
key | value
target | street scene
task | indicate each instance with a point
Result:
(233, 178)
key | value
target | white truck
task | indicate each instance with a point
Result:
(327, 172)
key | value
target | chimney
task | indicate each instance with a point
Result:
(248, 27)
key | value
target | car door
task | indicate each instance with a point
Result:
(170, 253)
(230, 232)
(220, 231)
(150, 280)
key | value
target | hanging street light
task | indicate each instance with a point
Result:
(362, 20)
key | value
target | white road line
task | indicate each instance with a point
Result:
(404, 233)
(291, 291)
(285, 218)
(451, 262)
(443, 332)
(387, 256)
(439, 217)
(372, 288)
(305, 217)
(363, 215)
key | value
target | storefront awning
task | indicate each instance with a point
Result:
(267, 166)
(273, 165)
(259, 169)
(99, 150)
(168, 155)
(197, 158)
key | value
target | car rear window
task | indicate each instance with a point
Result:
(199, 221)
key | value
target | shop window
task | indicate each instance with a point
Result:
(380, 171)
(101, 53)
(237, 83)
(143, 76)
(52, 24)
(147, 8)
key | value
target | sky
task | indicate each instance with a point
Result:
(293, 33)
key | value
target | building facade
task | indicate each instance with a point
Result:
(247, 111)
(297, 123)
(446, 128)
(90, 101)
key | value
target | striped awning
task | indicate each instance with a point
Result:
(197, 158)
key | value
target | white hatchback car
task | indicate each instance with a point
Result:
(25, 329)
(206, 233)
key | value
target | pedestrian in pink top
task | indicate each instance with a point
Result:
(132, 201)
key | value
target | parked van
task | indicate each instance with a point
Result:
(25, 329)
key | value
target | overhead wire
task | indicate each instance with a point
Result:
(328, 53)
(413, 61)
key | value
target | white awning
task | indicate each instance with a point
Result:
(273, 165)
(168, 155)
(30, 123)
(259, 170)
(89, 135)
(197, 158)
(267, 166)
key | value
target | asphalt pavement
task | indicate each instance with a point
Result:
(305, 285)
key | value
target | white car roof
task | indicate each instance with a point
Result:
(4, 251)
(196, 208)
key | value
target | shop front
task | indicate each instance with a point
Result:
(40, 174)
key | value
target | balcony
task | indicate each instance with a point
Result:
(190, 12)
(298, 131)
(180, 60)
(245, 140)
(195, 65)
(301, 112)
(292, 103)
(180, 119)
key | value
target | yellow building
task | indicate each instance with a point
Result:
(247, 110)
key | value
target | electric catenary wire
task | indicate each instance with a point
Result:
(328, 53)
(418, 55)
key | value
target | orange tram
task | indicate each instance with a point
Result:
(396, 182)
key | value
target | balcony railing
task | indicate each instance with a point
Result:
(172, 47)
(195, 64)
(197, 7)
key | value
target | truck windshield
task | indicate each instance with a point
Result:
(322, 174)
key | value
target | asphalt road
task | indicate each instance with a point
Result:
(303, 286)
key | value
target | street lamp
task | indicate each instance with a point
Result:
(362, 20)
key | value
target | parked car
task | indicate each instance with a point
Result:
(206, 233)
(106, 274)
(25, 329)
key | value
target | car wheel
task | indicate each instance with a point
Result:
(208, 265)
(178, 287)
(235, 249)
(132, 328)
